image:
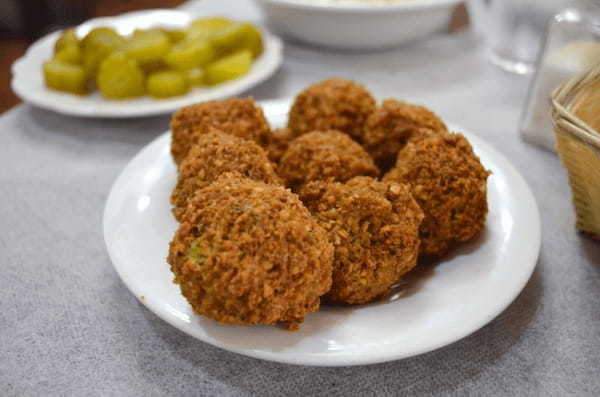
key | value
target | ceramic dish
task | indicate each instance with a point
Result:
(433, 307)
(28, 84)
(357, 24)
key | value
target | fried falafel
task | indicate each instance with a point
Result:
(277, 143)
(250, 253)
(324, 155)
(374, 228)
(235, 116)
(450, 184)
(392, 125)
(216, 153)
(333, 104)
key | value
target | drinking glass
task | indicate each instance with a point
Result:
(571, 46)
(513, 29)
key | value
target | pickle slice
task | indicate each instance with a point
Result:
(237, 36)
(67, 38)
(175, 35)
(190, 54)
(210, 51)
(195, 77)
(152, 67)
(97, 45)
(148, 46)
(166, 84)
(69, 54)
(102, 38)
(229, 67)
(120, 77)
(253, 40)
(66, 77)
(205, 28)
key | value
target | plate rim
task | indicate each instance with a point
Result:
(335, 359)
(273, 48)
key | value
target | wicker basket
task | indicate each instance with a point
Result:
(578, 144)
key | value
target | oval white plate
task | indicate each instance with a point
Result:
(438, 305)
(28, 83)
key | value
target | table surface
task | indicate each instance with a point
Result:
(69, 326)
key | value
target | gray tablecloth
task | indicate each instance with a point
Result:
(68, 325)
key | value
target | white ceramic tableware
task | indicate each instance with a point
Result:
(28, 83)
(357, 24)
(433, 307)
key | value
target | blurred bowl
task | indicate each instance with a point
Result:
(365, 24)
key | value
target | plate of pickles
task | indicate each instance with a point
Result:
(144, 63)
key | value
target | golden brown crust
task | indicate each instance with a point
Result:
(449, 183)
(235, 116)
(392, 125)
(324, 155)
(214, 154)
(374, 228)
(277, 143)
(250, 253)
(333, 104)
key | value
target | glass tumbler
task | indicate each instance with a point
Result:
(513, 29)
(571, 46)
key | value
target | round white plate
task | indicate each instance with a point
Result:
(28, 83)
(437, 305)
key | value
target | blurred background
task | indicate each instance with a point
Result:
(24, 21)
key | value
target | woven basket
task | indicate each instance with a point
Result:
(578, 144)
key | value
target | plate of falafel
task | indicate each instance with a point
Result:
(328, 230)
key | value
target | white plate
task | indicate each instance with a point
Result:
(437, 307)
(28, 83)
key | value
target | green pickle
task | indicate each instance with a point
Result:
(98, 44)
(190, 54)
(195, 77)
(253, 40)
(175, 35)
(229, 67)
(167, 84)
(69, 54)
(66, 77)
(102, 37)
(152, 67)
(237, 36)
(67, 39)
(205, 28)
(159, 62)
(120, 77)
(148, 46)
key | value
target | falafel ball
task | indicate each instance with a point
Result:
(324, 155)
(250, 253)
(333, 104)
(392, 125)
(277, 143)
(235, 116)
(374, 228)
(216, 153)
(450, 184)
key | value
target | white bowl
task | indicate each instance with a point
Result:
(357, 25)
